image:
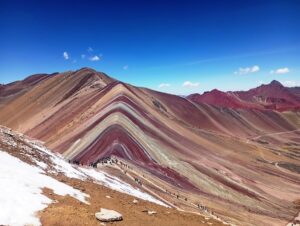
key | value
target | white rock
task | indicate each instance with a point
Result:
(135, 201)
(106, 215)
(149, 212)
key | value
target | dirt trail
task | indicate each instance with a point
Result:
(205, 213)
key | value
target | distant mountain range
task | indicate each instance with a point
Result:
(272, 96)
(234, 154)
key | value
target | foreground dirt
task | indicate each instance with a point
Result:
(68, 211)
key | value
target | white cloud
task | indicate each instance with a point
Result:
(125, 67)
(290, 83)
(247, 70)
(90, 49)
(95, 58)
(162, 85)
(82, 56)
(66, 55)
(255, 68)
(280, 71)
(190, 84)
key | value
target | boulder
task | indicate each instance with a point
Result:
(106, 215)
(150, 212)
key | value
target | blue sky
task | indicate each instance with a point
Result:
(175, 46)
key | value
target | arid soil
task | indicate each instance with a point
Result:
(69, 211)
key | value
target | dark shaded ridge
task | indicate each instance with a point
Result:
(290, 166)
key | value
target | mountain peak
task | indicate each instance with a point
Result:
(216, 91)
(275, 83)
(94, 75)
(88, 69)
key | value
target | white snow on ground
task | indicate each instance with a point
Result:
(99, 177)
(61, 165)
(40, 164)
(118, 185)
(21, 191)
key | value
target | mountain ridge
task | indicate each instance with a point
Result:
(272, 96)
(224, 158)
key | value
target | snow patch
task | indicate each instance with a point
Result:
(21, 191)
(102, 178)
(42, 165)
(61, 165)
(118, 185)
